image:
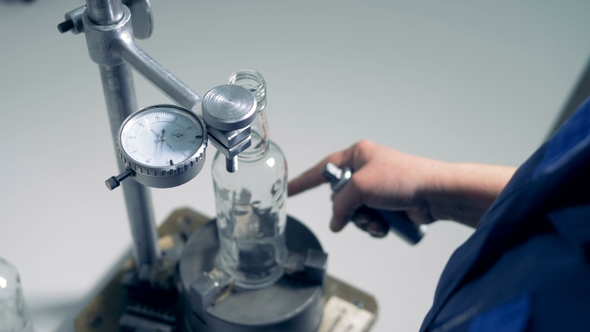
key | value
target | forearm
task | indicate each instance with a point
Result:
(464, 191)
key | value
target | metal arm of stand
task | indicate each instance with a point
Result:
(159, 76)
(110, 39)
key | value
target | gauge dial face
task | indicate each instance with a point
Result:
(161, 136)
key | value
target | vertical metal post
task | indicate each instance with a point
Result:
(119, 92)
(104, 12)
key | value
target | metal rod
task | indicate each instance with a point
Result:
(169, 84)
(104, 12)
(119, 92)
(231, 164)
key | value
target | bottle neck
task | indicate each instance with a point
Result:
(253, 81)
(260, 138)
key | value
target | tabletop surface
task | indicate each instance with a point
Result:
(451, 80)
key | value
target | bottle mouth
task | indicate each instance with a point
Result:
(253, 81)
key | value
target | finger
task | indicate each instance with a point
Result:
(370, 221)
(309, 179)
(361, 221)
(377, 229)
(347, 200)
(313, 177)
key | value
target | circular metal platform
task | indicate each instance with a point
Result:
(288, 305)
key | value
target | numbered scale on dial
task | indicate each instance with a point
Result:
(162, 146)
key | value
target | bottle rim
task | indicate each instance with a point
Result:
(253, 81)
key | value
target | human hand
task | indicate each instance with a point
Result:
(383, 178)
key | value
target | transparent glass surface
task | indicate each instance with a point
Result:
(14, 315)
(251, 202)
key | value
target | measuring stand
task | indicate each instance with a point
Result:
(171, 283)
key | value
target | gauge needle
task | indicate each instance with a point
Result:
(159, 143)
(160, 138)
(159, 149)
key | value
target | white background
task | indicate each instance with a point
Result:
(453, 80)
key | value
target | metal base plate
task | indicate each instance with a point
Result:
(287, 305)
(346, 308)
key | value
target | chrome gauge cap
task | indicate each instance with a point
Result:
(229, 107)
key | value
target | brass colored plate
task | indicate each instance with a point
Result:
(346, 308)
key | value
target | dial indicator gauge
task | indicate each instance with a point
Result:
(163, 145)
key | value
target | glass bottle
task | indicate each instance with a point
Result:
(251, 202)
(14, 314)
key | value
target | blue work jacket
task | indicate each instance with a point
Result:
(527, 265)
